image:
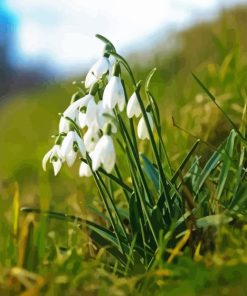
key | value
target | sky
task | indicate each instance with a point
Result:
(61, 32)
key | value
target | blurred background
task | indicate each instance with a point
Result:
(46, 44)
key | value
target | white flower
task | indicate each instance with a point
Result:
(133, 106)
(73, 112)
(105, 116)
(91, 114)
(70, 146)
(82, 119)
(114, 94)
(142, 130)
(104, 154)
(96, 71)
(55, 157)
(90, 139)
(84, 170)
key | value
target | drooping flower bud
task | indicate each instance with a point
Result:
(142, 130)
(55, 157)
(97, 70)
(71, 144)
(84, 170)
(114, 94)
(133, 106)
(104, 154)
(72, 112)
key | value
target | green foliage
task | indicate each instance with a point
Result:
(176, 224)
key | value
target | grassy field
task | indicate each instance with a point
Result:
(55, 253)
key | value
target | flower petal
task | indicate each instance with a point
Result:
(90, 79)
(91, 113)
(110, 94)
(142, 130)
(82, 119)
(90, 138)
(84, 170)
(67, 143)
(57, 166)
(80, 144)
(95, 156)
(96, 71)
(45, 158)
(71, 157)
(133, 106)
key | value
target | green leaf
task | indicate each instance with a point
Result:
(227, 154)
(240, 198)
(212, 97)
(185, 161)
(157, 220)
(148, 79)
(162, 197)
(99, 234)
(151, 172)
(207, 170)
(135, 213)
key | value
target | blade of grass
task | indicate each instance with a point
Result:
(156, 154)
(16, 209)
(113, 205)
(101, 235)
(213, 99)
(135, 159)
(227, 161)
(179, 170)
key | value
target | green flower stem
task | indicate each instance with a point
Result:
(118, 180)
(125, 64)
(106, 41)
(132, 156)
(162, 174)
(144, 244)
(137, 161)
(130, 259)
(179, 171)
(126, 192)
(132, 129)
(156, 154)
(113, 205)
(158, 128)
(102, 194)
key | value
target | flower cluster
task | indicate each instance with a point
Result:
(87, 126)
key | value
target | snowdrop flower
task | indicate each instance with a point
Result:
(55, 157)
(133, 106)
(142, 130)
(70, 146)
(81, 119)
(84, 170)
(101, 67)
(91, 138)
(104, 154)
(91, 114)
(114, 93)
(105, 116)
(72, 112)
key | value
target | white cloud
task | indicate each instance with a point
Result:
(63, 30)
